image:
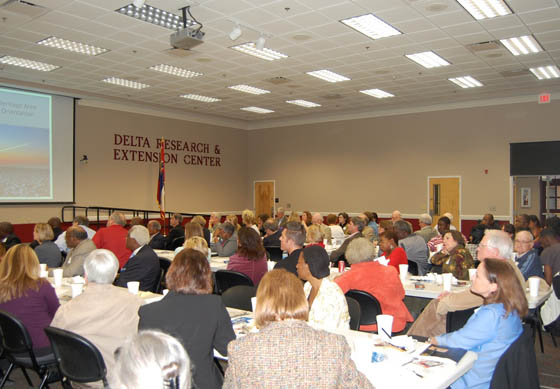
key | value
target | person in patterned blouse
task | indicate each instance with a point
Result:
(454, 257)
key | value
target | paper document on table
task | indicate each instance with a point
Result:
(382, 260)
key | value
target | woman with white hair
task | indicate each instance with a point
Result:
(152, 360)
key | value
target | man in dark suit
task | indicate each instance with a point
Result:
(272, 234)
(292, 241)
(176, 232)
(143, 265)
(7, 235)
(355, 227)
(157, 240)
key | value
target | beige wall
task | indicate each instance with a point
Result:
(382, 163)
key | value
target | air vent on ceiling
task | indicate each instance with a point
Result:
(333, 96)
(484, 46)
(278, 80)
(515, 73)
(23, 8)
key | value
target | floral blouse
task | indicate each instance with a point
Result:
(458, 262)
(329, 310)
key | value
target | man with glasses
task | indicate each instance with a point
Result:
(527, 260)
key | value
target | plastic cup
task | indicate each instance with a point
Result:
(384, 326)
(534, 286)
(254, 303)
(43, 266)
(446, 277)
(133, 286)
(77, 289)
(43, 274)
(57, 274)
(472, 273)
(270, 265)
(403, 271)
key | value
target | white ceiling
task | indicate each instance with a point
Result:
(439, 25)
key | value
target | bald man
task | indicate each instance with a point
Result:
(528, 260)
(396, 216)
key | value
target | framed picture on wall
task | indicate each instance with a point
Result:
(526, 197)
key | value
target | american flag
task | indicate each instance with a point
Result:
(161, 183)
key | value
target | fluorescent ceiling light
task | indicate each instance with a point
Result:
(327, 75)
(428, 59)
(303, 103)
(175, 71)
(466, 82)
(249, 89)
(204, 99)
(484, 9)
(371, 26)
(380, 94)
(257, 110)
(156, 16)
(125, 83)
(522, 45)
(546, 72)
(75, 47)
(27, 63)
(250, 48)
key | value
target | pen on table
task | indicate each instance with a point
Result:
(383, 329)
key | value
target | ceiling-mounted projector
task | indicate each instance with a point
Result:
(186, 38)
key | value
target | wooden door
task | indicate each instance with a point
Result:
(445, 196)
(264, 197)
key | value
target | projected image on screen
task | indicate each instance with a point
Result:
(25, 146)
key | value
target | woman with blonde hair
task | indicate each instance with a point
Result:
(248, 220)
(47, 251)
(191, 230)
(314, 236)
(197, 243)
(26, 296)
(287, 352)
(294, 217)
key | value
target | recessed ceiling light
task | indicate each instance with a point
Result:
(249, 89)
(546, 72)
(428, 59)
(125, 83)
(175, 71)
(303, 103)
(251, 49)
(75, 47)
(484, 9)
(327, 75)
(257, 110)
(156, 16)
(466, 82)
(380, 94)
(522, 45)
(371, 26)
(204, 99)
(27, 63)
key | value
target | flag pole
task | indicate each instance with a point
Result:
(161, 186)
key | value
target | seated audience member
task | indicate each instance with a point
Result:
(477, 233)
(373, 222)
(317, 220)
(7, 235)
(248, 220)
(550, 257)
(250, 258)
(385, 225)
(191, 229)
(449, 215)
(454, 258)
(205, 231)
(521, 222)
(81, 221)
(354, 228)
(294, 217)
(536, 228)
(197, 243)
(104, 314)
(193, 314)
(388, 244)
(281, 217)
(343, 219)
(56, 225)
(314, 236)
(381, 281)
(306, 218)
(214, 221)
(177, 231)
(426, 230)
(495, 244)
(414, 246)
(327, 304)
(305, 353)
(396, 216)
(136, 221)
(291, 241)
(225, 240)
(528, 260)
(509, 229)
(157, 240)
(151, 360)
(493, 327)
(26, 296)
(47, 251)
(261, 219)
(436, 243)
(233, 220)
(336, 230)
(113, 238)
(271, 234)
(143, 265)
(80, 246)
(368, 232)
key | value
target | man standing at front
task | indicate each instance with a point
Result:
(113, 237)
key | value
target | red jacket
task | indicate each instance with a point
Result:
(113, 238)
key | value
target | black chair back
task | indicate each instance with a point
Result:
(176, 242)
(239, 297)
(413, 268)
(457, 319)
(274, 253)
(15, 338)
(157, 287)
(225, 279)
(78, 359)
(355, 313)
(369, 306)
(556, 285)
(164, 265)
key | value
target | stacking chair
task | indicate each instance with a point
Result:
(274, 253)
(457, 319)
(239, 297)
(164, 265)
(158, 288)
(177, 242)
(18, 350)
(369, 306)
(225, 279)
(355, 312)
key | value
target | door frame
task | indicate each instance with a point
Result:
(273, 195)
(460, 197)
